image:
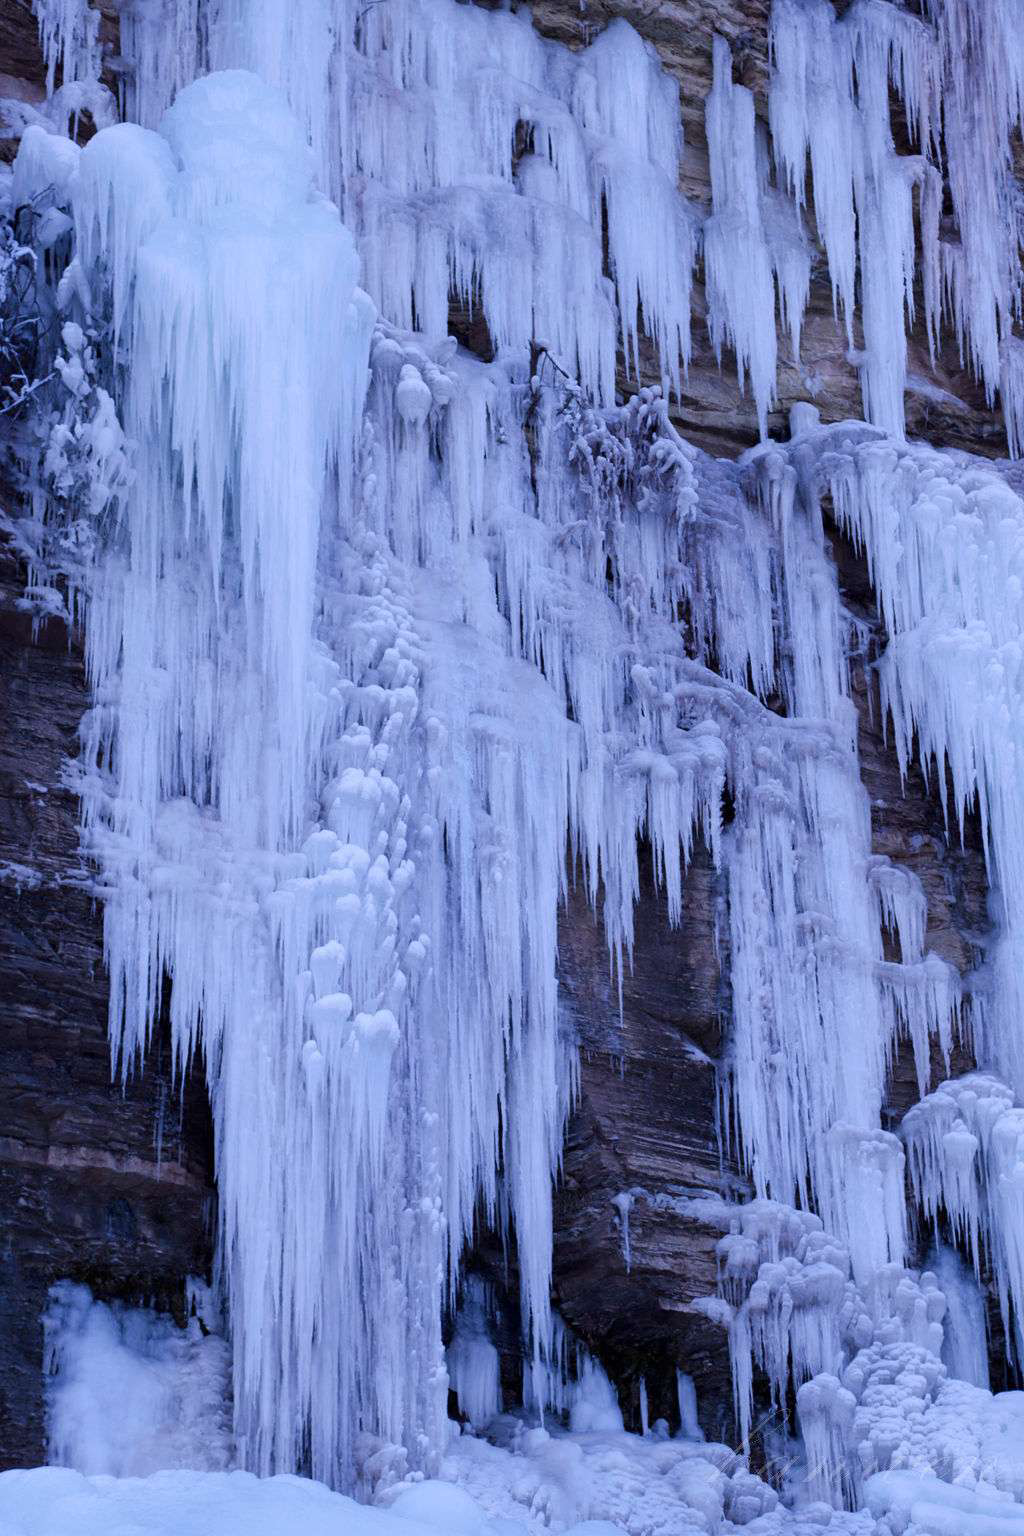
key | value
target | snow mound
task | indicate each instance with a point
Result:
(52, 1501)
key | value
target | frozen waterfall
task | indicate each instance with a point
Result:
(391, 643)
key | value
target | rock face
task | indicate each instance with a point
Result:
(102, 1185)
(116, 1187)
(642, 1162)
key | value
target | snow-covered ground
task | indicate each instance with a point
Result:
(54, 1501)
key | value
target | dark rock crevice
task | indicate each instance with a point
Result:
(643, 1148)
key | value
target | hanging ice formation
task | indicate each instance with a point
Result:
(383, 709)
(958, 73)
(389, 642)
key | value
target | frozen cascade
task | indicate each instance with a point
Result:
(747, 215)
(389, 644)
(314, 731)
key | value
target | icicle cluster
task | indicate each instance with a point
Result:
(965, 1144)
(474, 159)
(958, 73)
(872, 1394)
(69, 31)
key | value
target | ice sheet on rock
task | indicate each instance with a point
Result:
(128, 1392)
(474, 1369)
(965, 1328)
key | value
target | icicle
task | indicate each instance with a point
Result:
(686, 1397)
(389, 643)
(623, 1203)
(160, 46)
(741, 293)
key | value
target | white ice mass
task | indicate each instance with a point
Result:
(388, 644)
